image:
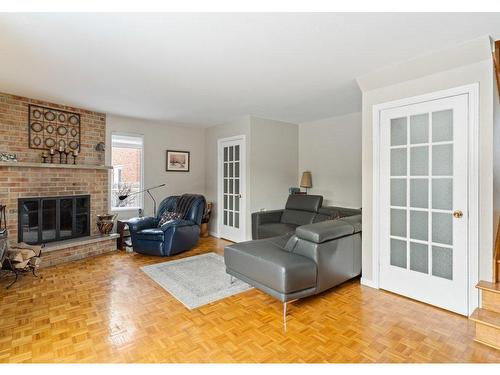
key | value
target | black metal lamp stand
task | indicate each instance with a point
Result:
(148, 190)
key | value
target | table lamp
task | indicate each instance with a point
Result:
(306, 180)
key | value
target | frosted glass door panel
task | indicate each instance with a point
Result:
(398, 131)
(398, 192)
(419, 128)
(231, 164)
(419, 161)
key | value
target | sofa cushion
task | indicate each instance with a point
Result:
(355, 221)
(337, 212)
(268, 264)
(324, 231)
(275, 229)
(152, 234)
(322, 217)
(302, 202)
(297, 217)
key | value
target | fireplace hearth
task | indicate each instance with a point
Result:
(50, 219)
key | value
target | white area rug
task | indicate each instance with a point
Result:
(197, 280)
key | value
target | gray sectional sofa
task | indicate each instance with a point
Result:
(299, 210)
(299, 251)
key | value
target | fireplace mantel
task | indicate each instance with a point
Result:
(19, 164)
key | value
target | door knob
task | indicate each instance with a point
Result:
(458, 214)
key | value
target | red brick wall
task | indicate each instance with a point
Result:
(18, 182)
(14, 129)
(53, 258)
(130, 160)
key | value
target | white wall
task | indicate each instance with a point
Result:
(331, 149)
(274, 162)
(158, 137)
(377, 90)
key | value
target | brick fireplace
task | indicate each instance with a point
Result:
(30, 178)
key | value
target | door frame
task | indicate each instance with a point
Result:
(472, 91)
(243, 172)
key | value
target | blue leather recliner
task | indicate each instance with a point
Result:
(171, 238)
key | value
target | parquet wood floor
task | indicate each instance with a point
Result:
(104, 309)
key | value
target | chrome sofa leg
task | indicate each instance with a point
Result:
(285, 311)
(285, 304)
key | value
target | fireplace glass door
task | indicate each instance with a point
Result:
(81, 224)
(51, 219)
(66, 218)
(28, 221)
(49, 226)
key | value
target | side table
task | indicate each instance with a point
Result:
(124, 240)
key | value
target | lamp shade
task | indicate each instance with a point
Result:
(306, 180)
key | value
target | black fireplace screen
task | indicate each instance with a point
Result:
(48, 219)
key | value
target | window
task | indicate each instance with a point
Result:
(127, 160)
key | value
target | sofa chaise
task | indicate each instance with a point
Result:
(315, 258)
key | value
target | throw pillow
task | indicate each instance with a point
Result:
(168, 216)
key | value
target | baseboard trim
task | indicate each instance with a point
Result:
(369, 283)
(214, 234)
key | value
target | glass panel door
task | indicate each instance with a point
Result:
(424, 243)
(232, 160)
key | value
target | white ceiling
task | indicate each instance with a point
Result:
(206, 69)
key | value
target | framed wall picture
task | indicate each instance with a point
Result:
(178, 161)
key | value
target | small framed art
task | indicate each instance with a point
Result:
(178, 161)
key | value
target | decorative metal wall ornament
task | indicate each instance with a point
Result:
(49, 127)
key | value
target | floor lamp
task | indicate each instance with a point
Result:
(125, 196)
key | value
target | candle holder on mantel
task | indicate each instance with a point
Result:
(44, 157)
(75, 154)
(60, 150)
(66, 153)
(52, 153)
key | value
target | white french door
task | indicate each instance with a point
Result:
(232, 180)
(424, 202)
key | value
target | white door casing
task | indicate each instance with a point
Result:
(231, 176)
(421, 249)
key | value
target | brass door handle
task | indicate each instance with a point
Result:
(458, 214)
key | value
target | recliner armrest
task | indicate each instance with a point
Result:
(325, 231)
(139, 223)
